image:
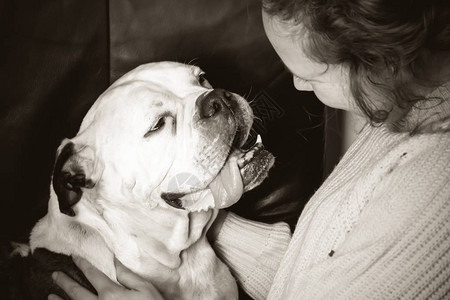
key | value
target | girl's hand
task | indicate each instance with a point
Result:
(133, 286)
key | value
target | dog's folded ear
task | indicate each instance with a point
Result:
(74, 169)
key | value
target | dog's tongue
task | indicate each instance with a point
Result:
(227, 188)
(242, 172)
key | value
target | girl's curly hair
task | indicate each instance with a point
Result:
(386, 43)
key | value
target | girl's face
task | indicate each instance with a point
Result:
(330, 83)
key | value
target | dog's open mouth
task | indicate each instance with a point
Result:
(254, 165)
(243, 171)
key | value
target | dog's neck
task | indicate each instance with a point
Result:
(149, 242)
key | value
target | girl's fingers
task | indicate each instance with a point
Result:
(127, 278)
(54, 297)
(134, 282)
(72, 288)
(97, 278)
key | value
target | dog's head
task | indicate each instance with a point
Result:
(157, 134)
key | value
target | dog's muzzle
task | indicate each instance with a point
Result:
(220, 103)
(223, 116)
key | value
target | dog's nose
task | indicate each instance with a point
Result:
(214, 103)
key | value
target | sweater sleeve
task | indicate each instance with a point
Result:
(253, 251)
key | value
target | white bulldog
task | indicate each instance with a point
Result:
(134, 182)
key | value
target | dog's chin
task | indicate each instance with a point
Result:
(243, 171)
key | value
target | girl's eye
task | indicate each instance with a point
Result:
(203, 82)
(158, 125)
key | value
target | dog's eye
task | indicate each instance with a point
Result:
(203, 82)
(158, 125)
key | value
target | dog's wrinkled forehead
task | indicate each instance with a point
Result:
(158, 88)
(179, 79)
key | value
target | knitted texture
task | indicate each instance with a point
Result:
(257, 256)
(378, 228)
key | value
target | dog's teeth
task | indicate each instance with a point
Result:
(258, 139)
(249, 154)
(241, 162)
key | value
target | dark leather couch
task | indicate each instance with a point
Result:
(57, 56)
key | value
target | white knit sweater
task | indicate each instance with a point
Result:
(378, 228)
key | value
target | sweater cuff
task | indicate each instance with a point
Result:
(253, 251)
